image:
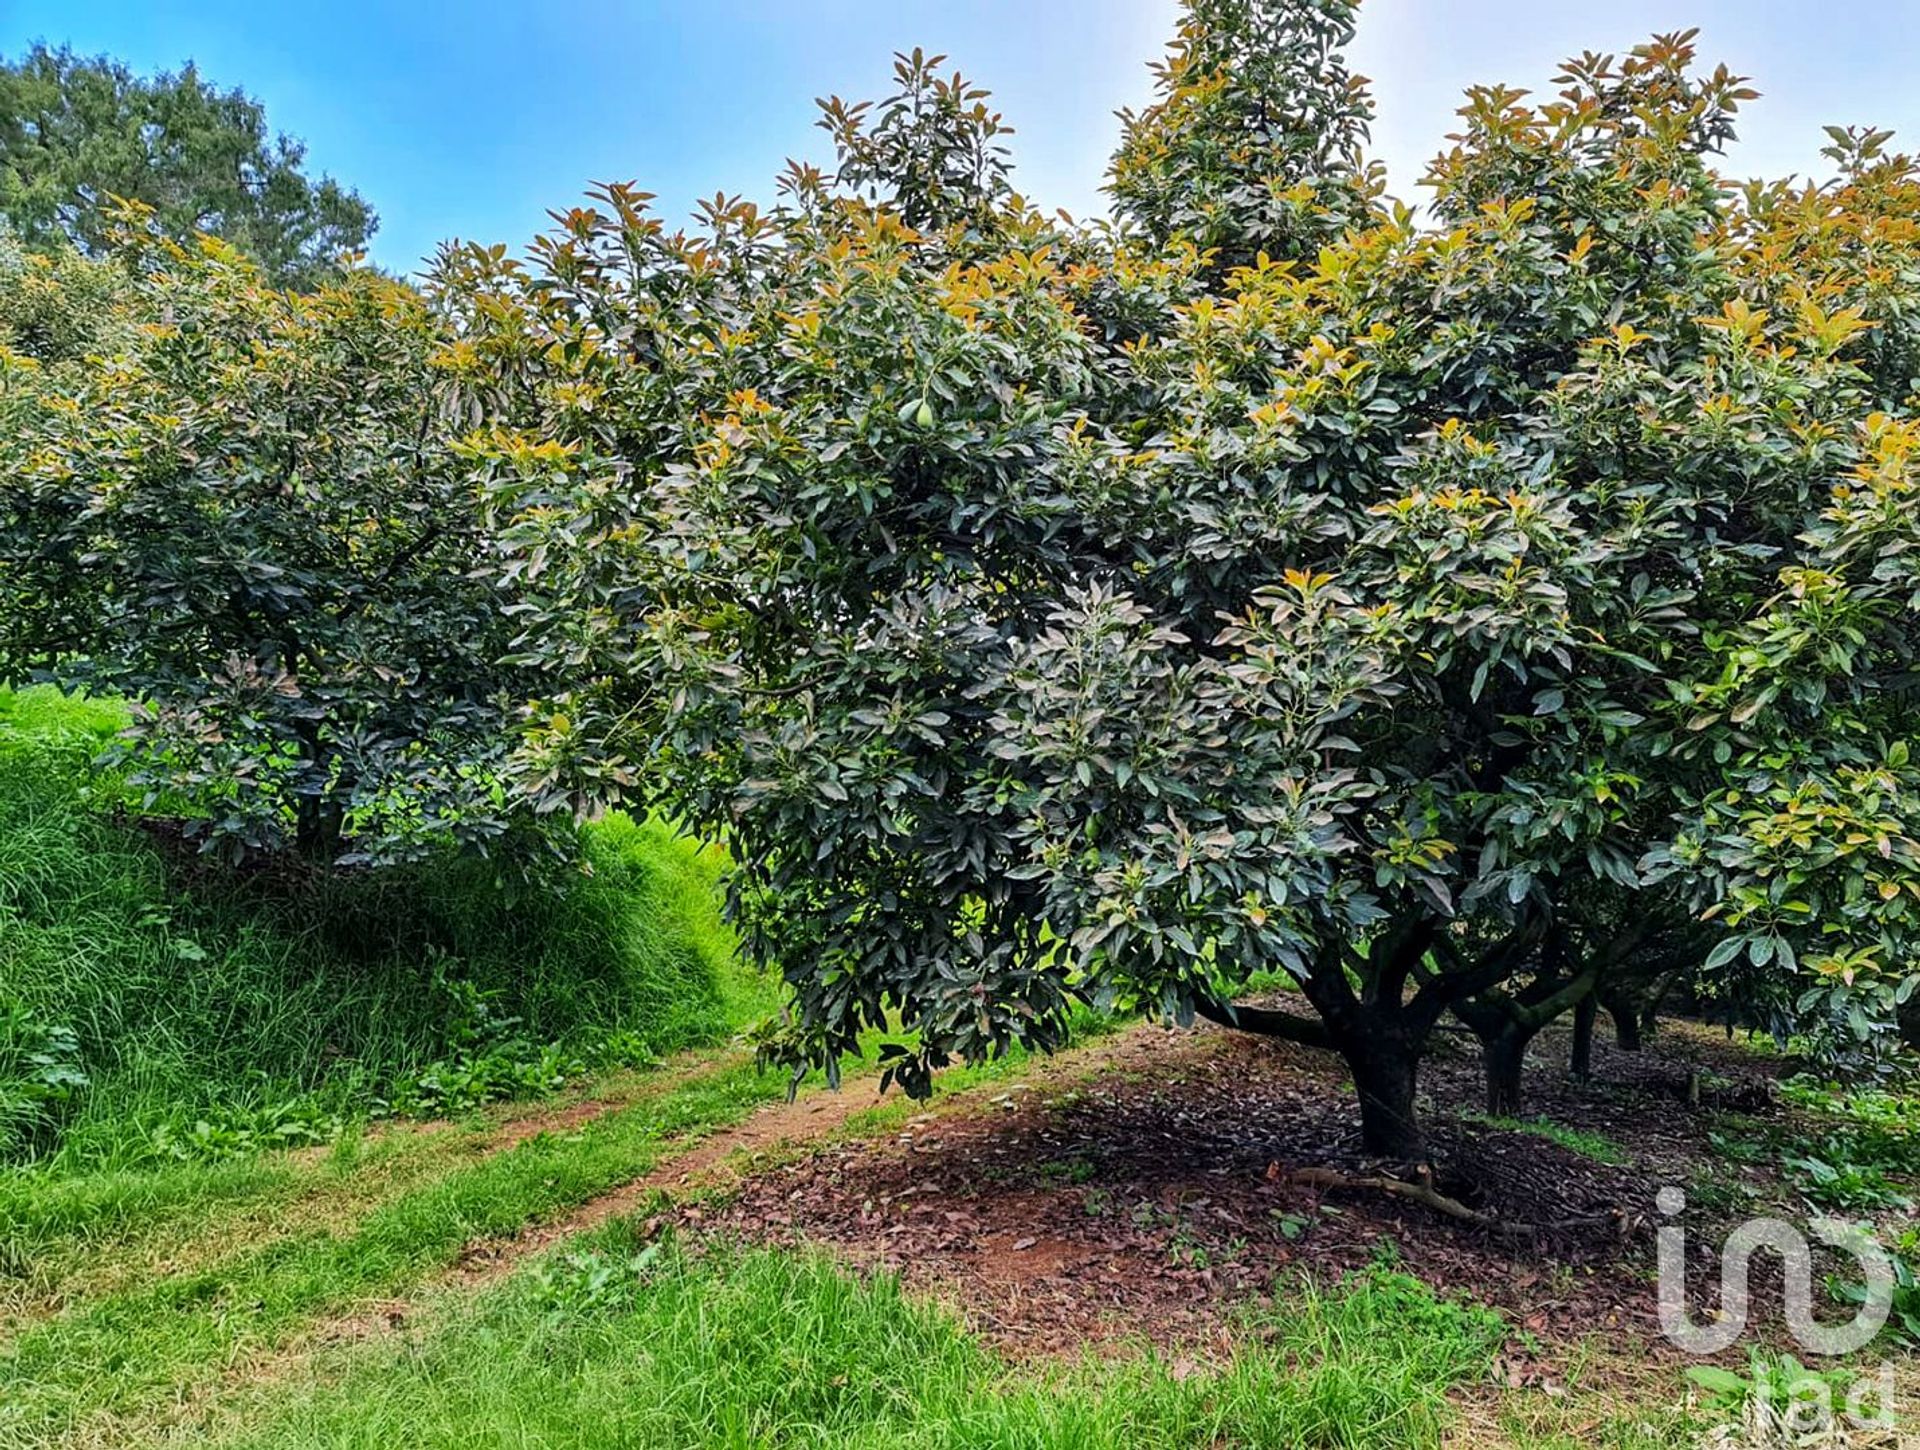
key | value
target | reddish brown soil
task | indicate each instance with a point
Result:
(804, 1120)
(1152, 1197)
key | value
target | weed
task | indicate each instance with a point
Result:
(1726, 1198)
(1879, 1127)
(40, 1077)
(591, 1281)
(1291, 1225)
(1737, 1149)
(1903, 1324)
(1070, 1170)
(237, 1131)
(1833, 1181)
(1777, 1401)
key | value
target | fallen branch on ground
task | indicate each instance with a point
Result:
(1423, 1192)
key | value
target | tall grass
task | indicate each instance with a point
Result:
(130, 1000)
(632, 1347)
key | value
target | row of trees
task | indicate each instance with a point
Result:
(1477, 618)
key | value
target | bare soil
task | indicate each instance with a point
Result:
(1143, 1191)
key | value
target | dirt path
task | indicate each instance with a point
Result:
(743, 1152)
(782, 1130)
(806, 1120)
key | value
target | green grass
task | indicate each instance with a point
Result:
(1596, 1146)
(139, 1017)
(250, 1252)
(132, 1351)
(616, 1344)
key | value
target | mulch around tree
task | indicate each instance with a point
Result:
(1152, 1195)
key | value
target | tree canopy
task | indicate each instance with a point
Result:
(1448, 614)
(76, 133)
(1477, 615)
(250, 516)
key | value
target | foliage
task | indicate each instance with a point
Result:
(271, 1017)
(930, 152)
(1255, 145)
(1882, 1127)
(1831, 1180)
(58, 307)
(1903, 1325)
(248, 520)
(40, 1076)
(589, 1281)
(1442, 614)
(1466, 612)
(1774, 1389)
(76, 133)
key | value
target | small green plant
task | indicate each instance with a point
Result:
(1875, 1107)
(1068, 1170)
(593, 1281)
(1878, 1126)
(40, 1076)
(1903, 1324)
(1831, 1180)
(1775, 1394)
(1291, 1225)
(482, 1073)
(1596, 1146)
(1725, 1197)
(238, 1131)
(1737, 1149)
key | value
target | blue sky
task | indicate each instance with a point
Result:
(473, 119)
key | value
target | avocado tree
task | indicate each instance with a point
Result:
(1271, 582)
(244, 513)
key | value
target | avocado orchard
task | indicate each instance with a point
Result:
(1484, 615)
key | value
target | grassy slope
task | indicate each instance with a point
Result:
(76, 1359)
(186, 1005)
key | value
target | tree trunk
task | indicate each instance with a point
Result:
(317, 830)
(1384, 1061)
(1580, 1064)
(1626, 1023)
(1385, 1076)
(318, 818)
(1505, 1057)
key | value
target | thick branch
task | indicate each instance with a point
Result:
(1470, 979)
(1265, 1022)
